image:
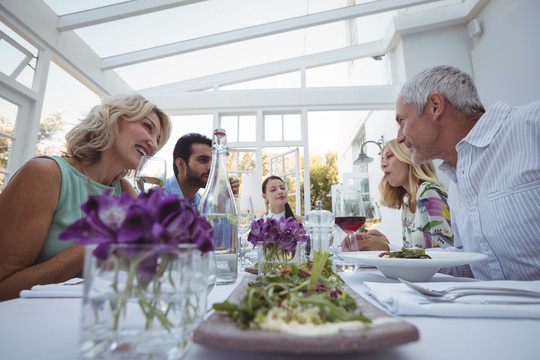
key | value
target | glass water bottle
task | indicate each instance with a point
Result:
(219, 207)
(319, 225)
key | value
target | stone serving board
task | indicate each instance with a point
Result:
(219, 331)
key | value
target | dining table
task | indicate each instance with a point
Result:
(48, 328)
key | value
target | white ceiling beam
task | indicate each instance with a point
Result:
(431, 19)
(14, 85)
(37, 24)
(271, 69)
(404, 24)
(117, 11)
(381, 97)
(277, 27)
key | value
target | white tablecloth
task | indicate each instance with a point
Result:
(35, 328)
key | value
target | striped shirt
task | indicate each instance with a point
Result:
(494, 196)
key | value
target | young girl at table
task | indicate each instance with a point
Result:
(416, 190)
(45, 195)
(275, 193)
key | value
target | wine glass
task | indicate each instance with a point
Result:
(151, 172)
(350, 214)
(245, 219)
(373, 215)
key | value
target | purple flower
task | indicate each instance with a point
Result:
(137, 226)
(284, 233)
(151, 218)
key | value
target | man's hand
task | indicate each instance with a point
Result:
(371, 241)
(235, 185)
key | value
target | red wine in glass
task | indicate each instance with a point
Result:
(350, 223)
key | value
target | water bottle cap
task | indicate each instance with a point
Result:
(221, 132)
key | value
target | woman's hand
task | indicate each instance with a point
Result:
(371, 241)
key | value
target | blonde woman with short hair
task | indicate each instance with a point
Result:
(46, 194)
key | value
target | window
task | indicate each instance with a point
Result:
(241, 162)
(240, 128)
(282, 127)
(18, 60)
(8, 116)
(66, 102)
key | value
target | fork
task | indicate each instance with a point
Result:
(453, 297)
(431, 293)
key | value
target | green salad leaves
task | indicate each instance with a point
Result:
(309, 293)
(406, 254)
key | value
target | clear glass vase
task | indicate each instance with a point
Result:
(142, 301)
(271, 259)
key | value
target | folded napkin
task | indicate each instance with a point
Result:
(400, 300)
(72, 288)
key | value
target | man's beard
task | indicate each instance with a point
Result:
(194, 179)
(419, 157)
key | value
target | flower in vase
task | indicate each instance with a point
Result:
(152, 218)
(142, 235)
(278, 238)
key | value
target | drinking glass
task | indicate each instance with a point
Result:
(350, 214)
(338, 244)
(373, 215)
(245, 219)
(212, 271)
(151, 172)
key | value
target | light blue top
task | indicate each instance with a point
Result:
(172, 187)
(73, 193)
(494, 196)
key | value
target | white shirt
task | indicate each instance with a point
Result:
(494, 196)
(276, 216)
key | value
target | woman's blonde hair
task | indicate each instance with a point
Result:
(394, 197)
(99, 130)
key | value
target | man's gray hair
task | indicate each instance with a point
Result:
(456, 86)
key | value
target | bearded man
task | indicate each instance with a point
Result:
(192, 159)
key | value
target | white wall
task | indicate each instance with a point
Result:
(504, 59)
(507, 54)
(446, 46)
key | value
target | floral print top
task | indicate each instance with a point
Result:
(430, 225)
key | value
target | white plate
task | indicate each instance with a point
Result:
(413, 269)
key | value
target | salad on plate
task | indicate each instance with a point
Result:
(405, 254)
(308, 299)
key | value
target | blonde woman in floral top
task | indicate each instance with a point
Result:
(422, 198)
(430, 225)
(416, 190)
